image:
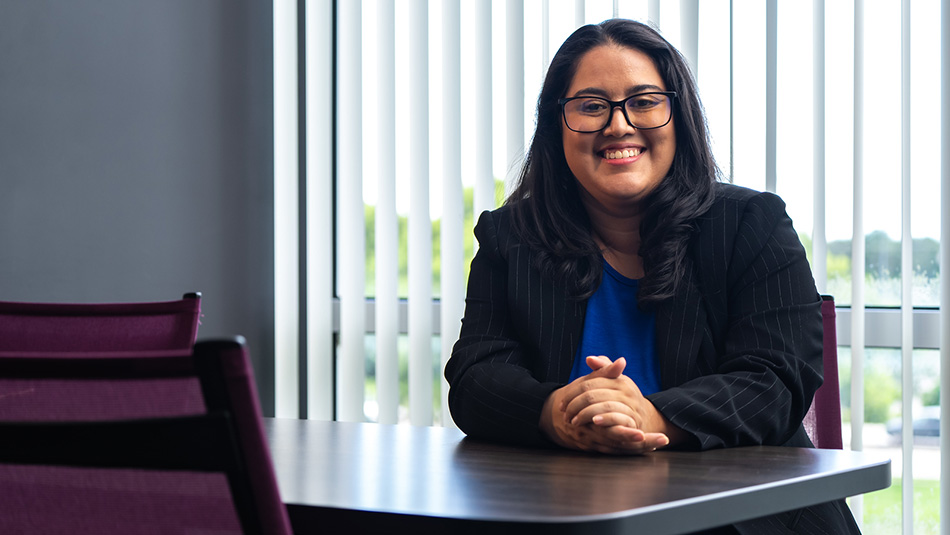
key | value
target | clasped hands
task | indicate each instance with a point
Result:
(605, 412)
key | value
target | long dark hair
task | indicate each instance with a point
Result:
(547, 209)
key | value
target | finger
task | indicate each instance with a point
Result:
(587, 398)
(626, 448)
(651, 441)
(610, 405)
(583, 384)
(603, 364)
(617, 440)
(596, 362)
(622, 435)
(613, 441)
(610, 419)
(612, 370)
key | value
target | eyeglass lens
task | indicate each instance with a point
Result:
(592, 114)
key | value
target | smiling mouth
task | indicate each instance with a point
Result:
(618, 154)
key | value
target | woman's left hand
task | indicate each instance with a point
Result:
(613, 399)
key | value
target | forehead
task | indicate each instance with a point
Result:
(615, 69)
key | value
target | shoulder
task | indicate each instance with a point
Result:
(499, 217)
(495, 231)
(739, 224)
(736, 209)
(729, 198)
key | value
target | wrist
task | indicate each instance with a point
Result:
(676, 434)
(549, 413)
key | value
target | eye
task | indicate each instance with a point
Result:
(591, 106)
(644, 102)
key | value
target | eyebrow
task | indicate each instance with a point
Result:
(642, 88)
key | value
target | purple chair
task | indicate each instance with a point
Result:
(823, 420)
(135, 443)
(78, 327)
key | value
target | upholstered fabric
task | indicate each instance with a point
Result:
(212, 390)
(823, 421)
(246, 411)
(99, 327)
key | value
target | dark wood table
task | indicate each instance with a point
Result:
(368, 478)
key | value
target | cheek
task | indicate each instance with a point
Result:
(576, 151)
(577, 147)
(666, 147)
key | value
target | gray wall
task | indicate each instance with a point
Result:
(136, 158)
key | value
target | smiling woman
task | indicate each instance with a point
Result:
(623, 300)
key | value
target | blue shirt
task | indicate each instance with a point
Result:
(615, 327)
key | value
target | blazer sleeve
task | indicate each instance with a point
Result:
(763, 345)
(493, 394)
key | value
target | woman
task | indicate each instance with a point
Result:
(624, 300)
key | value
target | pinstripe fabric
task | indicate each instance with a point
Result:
(739, 344)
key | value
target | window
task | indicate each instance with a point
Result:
(419, 121)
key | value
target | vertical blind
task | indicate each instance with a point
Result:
(452, 253)
(945, 273)
(443, 101)
(387, 234)
(907, 280)
(350, 221)
(286, 223)
(857, 248)
(318, 201)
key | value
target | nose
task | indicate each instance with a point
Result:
(618, 126)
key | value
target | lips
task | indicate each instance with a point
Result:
(621, 153)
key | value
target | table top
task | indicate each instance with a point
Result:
(368, 477)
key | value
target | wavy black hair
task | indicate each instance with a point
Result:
(547, 210)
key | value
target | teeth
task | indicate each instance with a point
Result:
(625, 153)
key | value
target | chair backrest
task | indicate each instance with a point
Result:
(81, 327)
(135, 443)
(823, 421)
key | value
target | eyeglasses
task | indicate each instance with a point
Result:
(643, 111)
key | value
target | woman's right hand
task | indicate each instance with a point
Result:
(616, 432)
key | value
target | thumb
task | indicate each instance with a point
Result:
(603, 367)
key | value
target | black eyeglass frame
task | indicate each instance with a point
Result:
(622, 104)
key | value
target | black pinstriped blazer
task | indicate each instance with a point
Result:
(739, 345)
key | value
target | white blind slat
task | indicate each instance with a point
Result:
(351, 271)
(819, 241)
(907, 286)
(286, 212)
(732, 83)
(771, 94)
(514, 87)
(858, 253)
(689, 34)
(484, 198)
(653, 12)
(420, 224)
(319, 206)
(387, 221)
(945, 268)
(545, 36)
(451, 250)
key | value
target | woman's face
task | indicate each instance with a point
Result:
(620, 165)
